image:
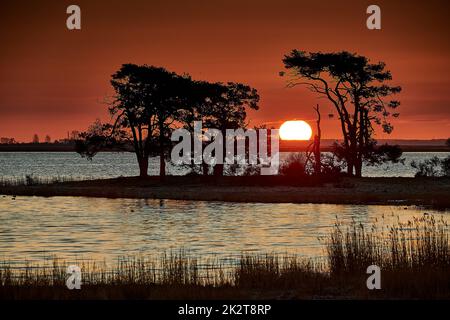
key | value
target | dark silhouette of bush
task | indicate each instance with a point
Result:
(433, 167)
(295, 166)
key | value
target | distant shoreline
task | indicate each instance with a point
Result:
(264, 189)
(285, 146)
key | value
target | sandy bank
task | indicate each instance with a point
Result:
(410, 191)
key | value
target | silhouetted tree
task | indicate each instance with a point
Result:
(145, 105)
(199, 100)
(226, 108)
(149, 101)
(5, 140)
(48, 139)
(169, 95)
(317, 138)
(146, 98)
(132, 116)
(199, 95)
(74, 135)
(35, 138)
(220, 106)
(358, 91)
(101, 137)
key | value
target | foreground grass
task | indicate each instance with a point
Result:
(30, 180)
(414, 258)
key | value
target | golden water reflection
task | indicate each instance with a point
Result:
(33, 228)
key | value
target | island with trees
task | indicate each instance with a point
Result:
(150, 102)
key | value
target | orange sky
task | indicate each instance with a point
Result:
(53, 80)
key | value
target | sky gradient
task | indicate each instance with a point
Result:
(53, 80)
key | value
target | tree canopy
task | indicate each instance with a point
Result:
(358, 90)
(149, 101)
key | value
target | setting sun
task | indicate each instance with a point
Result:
(295, 130)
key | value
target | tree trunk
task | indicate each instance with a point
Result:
(360, 147)
(162, 160)
(317, 162)
(205, 169)
(143, 166)
(351, 159)
(162, 165)
(352, 153)
(349, 167)
(218, 170)
(358, 168)
(317, 137)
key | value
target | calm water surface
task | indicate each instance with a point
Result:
(34, 228)
(111, 164)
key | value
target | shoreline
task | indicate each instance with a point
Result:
(437, 145)
(69, 149)
(259, 189)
